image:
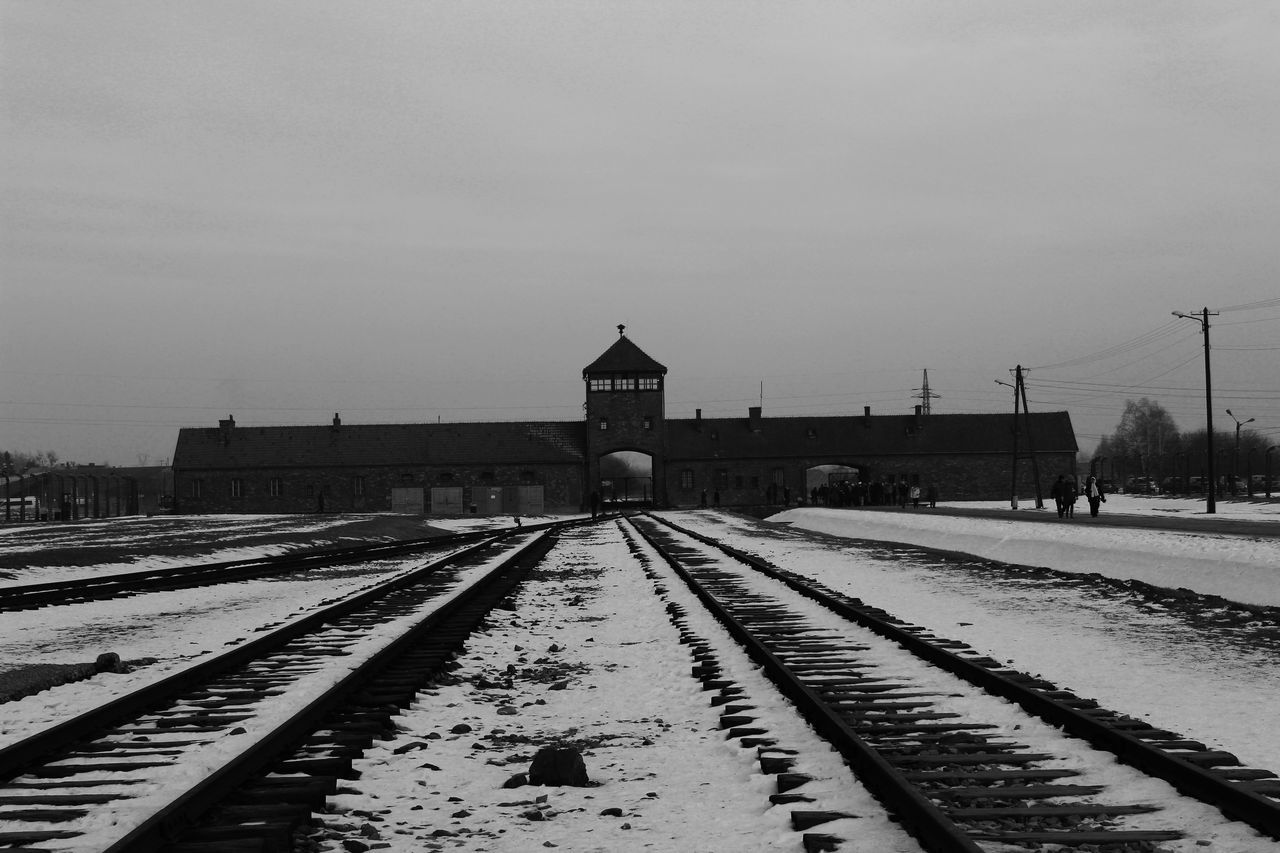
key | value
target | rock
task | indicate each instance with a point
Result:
(612, 812)
(558, 766)
(368, 830)
(516, 781)
(506, 711)
(559, 685)
(353, 846)
(109, 662)
(534, 814)
(460, 729)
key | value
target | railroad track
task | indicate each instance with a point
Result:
(956, 780)
(233, 753)
(101, 587)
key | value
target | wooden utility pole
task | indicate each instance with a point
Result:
(1031, 445)
(1211, 505)
(1020, 407)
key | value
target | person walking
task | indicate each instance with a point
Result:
(1059, 493)
(1069, 499)
(932, 495)
(1094, 495)
(915, 496)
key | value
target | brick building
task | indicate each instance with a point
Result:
(549, 466)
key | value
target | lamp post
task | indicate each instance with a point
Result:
(1235, 455)
(1268, 456)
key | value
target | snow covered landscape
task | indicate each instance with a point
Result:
(590, 658)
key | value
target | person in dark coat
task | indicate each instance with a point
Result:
(1059, 494)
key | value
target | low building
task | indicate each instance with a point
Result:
(534, 467)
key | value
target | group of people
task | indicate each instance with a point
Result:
(874, 493)
(1065, 493)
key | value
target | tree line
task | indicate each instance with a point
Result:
(1148, 443)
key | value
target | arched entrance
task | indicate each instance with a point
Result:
(834, 485)
(626, 478)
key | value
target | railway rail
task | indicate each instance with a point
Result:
(16, 597)
(232, 754)
(956, 781)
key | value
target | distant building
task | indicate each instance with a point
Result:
(553, 466)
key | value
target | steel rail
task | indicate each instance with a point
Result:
(166, 825)
(929, 824)
(28, 596)
(17, 756)
(1236, 802)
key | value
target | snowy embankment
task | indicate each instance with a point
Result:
(1236, 567)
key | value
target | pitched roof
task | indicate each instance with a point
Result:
(366, 445)
(852, 435)
(624, 357)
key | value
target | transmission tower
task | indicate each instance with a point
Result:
(925, 394)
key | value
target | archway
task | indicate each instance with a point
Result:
(833, 485)
(626, 478)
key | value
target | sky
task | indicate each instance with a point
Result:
(421, 211)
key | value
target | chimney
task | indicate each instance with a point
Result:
(866, 417)
(697, 419)
(226, 426)
(753, 418)
(337, 421)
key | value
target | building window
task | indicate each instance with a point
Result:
(528, 477)
(686, 478)
(811, 432)
(755, 482)
(779, 477)
(357, 485)
(197, 488)
(604, 423)
(486, 477)
(275, 487)
(648, 383)
(237, 487)
(599, 384)
(648, 421)
(715, 435)
(446, 477)
(737, 481)
(624, 383)
(722, 478)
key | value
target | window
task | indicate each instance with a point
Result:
(528, 477)
(715, 435)
(275, 487)
(357, 485)
(597, 383)
(755, 482)
(686, 478)
(648, 383)
(486, 477)
(624, 383)
(779, 477)
(237, 487)
(722, 478)
(811, 432)
(648, 421)
(737, 481)
(197, 488)
(604, 423)
(446, 477)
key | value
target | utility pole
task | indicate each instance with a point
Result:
(1031, 446)
(1211, 506)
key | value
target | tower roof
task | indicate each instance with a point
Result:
(624, 357)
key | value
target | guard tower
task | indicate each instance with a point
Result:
(626, 412)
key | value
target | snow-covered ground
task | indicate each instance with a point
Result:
(1240, 567)
(590, 658)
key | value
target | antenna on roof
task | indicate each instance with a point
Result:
(621, 328)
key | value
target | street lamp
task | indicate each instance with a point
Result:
(1269, 449)
(1235, 456)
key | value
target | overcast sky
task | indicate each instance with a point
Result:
(411, 211)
